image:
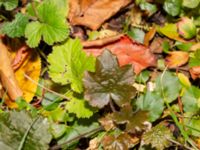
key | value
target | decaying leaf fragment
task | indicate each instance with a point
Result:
(92, 13)
(109, 82)
(127, 52)
(7, 76)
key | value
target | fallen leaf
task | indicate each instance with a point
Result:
(195, 72)
(92, 13)
(149, 36)
(120, 142)
(30, 67)
(176, 59)
(7, 76)
(127, 52)
(109, 82)
(107, 122)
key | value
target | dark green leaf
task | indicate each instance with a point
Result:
(9, 4)
(109, 82)
(137, 34)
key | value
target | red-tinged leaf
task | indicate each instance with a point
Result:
(119, 142)
(109, 82)
(127, 52)
(195, 72)
(135, 121)
(177, 59)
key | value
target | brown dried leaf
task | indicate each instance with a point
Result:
(176, 59)
(127, 52)
(195, 72)
(107, 122)
(92, 13)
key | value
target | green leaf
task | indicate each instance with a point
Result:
(79, 107)
(16, 28)
(52, 26)
(137, 34)
(187, 28)
(68, 62)
(195, 60)
(143, 77)
(13, 127)
(150, 8)
(59, 115)
(183, 46)
(168, 86)
(191, 3)
(9, 4)
(153, 103)
(173, 7)
(191, 99)
(58, 130)
(158, 137)
(134, 120)
(109, 82)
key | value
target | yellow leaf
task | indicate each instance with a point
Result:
(31, 67)
(184, 80)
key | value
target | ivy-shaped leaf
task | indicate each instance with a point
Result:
(134, 120)
(51, 25)
(68, 63)
(109, 82)
(152, 103)
(14, 125)
(168, 86)
(158, 137)
(9, 4)
(16, 28)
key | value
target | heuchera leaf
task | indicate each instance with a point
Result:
(51, 25)
(122, 141)
(16, 28)
(168, 86)
(9, 4)
(158, 137)
(134, 120)
(68, 63)
(79, 107)
(109, 82)
(14, 125)
(153, 103)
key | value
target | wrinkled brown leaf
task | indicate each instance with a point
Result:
(107, 122)
(127, 52)
(92, 13)
(177, 59)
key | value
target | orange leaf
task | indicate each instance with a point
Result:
(127, 52)
(177, 59)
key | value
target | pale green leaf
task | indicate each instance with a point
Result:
(68, 63)
(16, 28)
(79, 107)
(173, 7)
(191, 3)
(9, 4)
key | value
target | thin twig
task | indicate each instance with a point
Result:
(179, 144)
(56, 147)
(40, 85)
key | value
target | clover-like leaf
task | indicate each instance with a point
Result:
(168, 85)
(9, 4)
(51, 25)
(159, 137)
(152, 103)
(68, 63)
(135, 121)
(16, 28)
(15, 125)
(122, 141)
(109, 82)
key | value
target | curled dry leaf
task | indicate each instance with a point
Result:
(31, 67)
(149, 36)
(7, 76)
(195, 72)
(176, 59)
(92, 13)
(127, 52)
(107, 122)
